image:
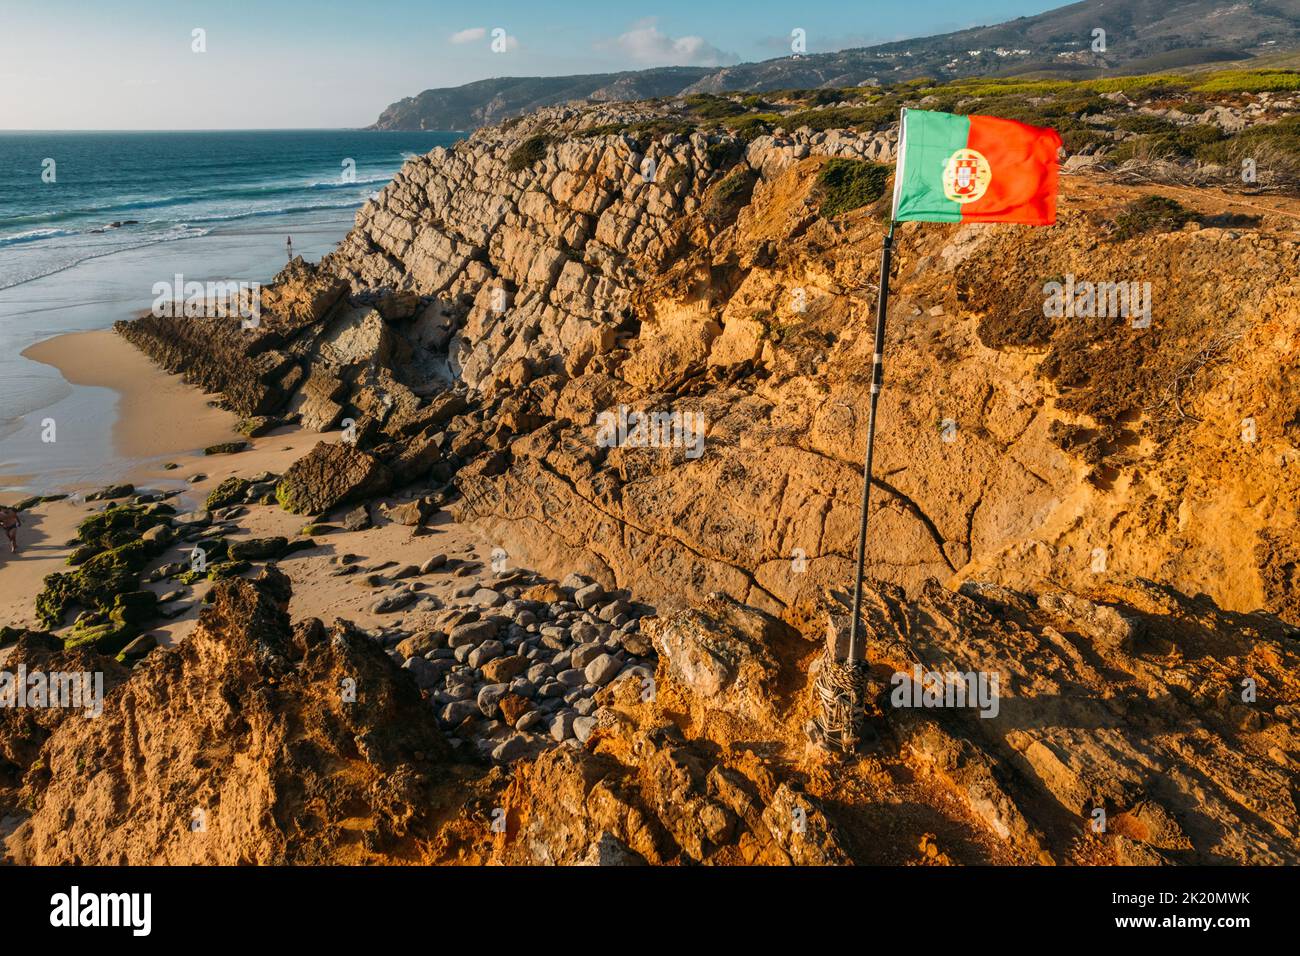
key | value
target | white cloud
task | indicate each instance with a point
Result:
(499, 37)
(646, 43)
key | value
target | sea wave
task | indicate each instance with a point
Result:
(54, 266)
(35, 235)
(99, 215)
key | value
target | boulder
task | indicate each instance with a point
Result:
(331, 475)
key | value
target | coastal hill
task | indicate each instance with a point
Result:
(1142, 36)
(1098, 509)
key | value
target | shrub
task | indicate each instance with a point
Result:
(862, 118)
(1186, 142)
(847, 184)
(530, 151)
(709, 106)
(1142, 123)
(728, 197)
(753, 125)
(1151, 214)
(723, 153)
(1250, 81)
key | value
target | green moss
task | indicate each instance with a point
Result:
(95, 585)
(118, 524)
(227, 569)
(108, 637)
(230, 491)
(847, 184)
(225, 448)
(289, 498)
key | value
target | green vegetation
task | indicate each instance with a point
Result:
(1184, 142)
(1143, 123)
(530, 151)
(723, 153)
(1151, 214)
(230, 491)
(676, 175)
(864, 119)
(1250, 81)
(753, 125)
(643, 130)
(709, 106)
(728, 197)
(847, 184)
(1274, 148)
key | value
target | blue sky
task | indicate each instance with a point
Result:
(129, 64)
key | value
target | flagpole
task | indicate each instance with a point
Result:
(877, 376)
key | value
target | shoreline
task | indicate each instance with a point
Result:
(157, 414)
(147, 396)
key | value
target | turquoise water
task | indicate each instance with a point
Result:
(69, 197)
(210, 206)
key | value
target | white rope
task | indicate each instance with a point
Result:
(840, 687)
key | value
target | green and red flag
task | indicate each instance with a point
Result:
(974, 169)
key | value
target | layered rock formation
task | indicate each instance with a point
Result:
(644, 355)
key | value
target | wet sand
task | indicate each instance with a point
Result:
(157, 413)
(161, 420)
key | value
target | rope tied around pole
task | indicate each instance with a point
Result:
(840, 687)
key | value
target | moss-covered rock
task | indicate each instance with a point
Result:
(119, 524)
(257, 549)
(95, 585)
(229, 492)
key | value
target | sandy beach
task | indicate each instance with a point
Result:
(162, 421)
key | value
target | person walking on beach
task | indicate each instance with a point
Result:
(288, 244)
(10, 521)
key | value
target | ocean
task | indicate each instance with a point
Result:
(89, 221)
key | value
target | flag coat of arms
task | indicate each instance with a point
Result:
(974, 169)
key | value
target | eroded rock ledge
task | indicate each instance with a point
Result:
(1050, 492)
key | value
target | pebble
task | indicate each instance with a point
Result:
(471, 633)
(602, 670)
(589, 596)
(530, 719)
(584, 654)
(485, 652)
(583, 726)
(456, 712)
(512, 748)
(489, 696)
(502, 668)
(562, 725)
(571, 677)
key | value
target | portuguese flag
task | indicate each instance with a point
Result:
(974, 169)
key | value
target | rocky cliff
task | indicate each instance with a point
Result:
(1099, 509)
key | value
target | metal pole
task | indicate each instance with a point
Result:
(877, 374)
